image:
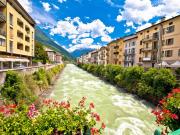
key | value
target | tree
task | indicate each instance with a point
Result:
(40, 53)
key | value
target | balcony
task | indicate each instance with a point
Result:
(150, 39)
(3, 33)
(2, 17)
(147, 49)
(2, 3)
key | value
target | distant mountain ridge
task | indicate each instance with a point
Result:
(41, 37)
(80, 52)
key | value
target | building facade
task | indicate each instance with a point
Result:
(58, 58)
(94, 57)
(16, 33)
(51, 54)
(160, 42)
(115, 51)
(129, 50)
(102, 54)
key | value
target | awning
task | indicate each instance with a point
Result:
(176, 64)
(163, 64)
(13, 60)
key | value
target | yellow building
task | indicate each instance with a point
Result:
(158, 43)
(115, 52)
(16, 34)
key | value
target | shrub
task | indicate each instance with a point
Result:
(13, 88)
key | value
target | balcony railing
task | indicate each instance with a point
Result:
(2, 3)
(152, 38)
(149, 59)
(2, 17)
(2, 33)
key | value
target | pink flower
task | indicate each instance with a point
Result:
(32, 111)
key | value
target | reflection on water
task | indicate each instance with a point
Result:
(123, 113)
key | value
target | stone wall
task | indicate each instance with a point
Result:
(27, 70)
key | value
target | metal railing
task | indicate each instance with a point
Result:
(2, 33)
(2, 17)
(3, 2)
(151, 38)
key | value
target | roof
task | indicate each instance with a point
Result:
(22, 11)
(162, 21)
(130, 37)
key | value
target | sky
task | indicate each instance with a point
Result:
(79, 24)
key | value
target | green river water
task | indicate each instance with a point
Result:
(123, 113)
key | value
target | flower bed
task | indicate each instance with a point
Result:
(53, 118)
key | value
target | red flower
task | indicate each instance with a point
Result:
(174, 116)
(91, 105)
(176, 90)
(96, 116)
(103, 126)
(94, 131)
(162, 101)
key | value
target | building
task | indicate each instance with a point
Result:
(16, 35)
(102, 54)
(129, 50)
(158, 43)
(51, 54)
(58, 58)
(115, 51)
(94, 57)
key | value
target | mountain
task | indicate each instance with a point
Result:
(80, 52)
(41, 37)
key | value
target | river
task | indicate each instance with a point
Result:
(123, 113)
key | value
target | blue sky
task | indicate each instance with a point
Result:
(77, 24)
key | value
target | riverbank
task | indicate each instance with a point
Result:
(27, 87)
(151, 85)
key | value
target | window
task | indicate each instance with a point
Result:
(2, 42)
(168, 53)
(155, 45)
(163, 42)
(162, 53)
(27, 49)
(170, 41)
(146, 54)
(141, 42)
(133, 43)
(11, 46)
(147, 45)
(179, 52)
(170, 23)
(11, 33)
(19, 46)
(170, 29)
(11, 19)
(140, 51)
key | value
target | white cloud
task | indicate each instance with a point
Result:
(27, 4)
(82, 46)
(61, 1)
(141, 11)
(82, 34)
(127, 31)
(56, 7)
(130, 24)
(119, 18)
(76, 27)
(111, 3)
(87, 41)
(106, 39)
(144, 26)
(72, 36)
(46, 6)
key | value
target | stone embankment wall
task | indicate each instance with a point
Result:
(27, 70)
